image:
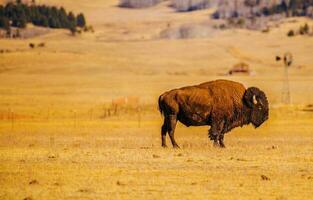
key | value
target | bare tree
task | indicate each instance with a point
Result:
(189, 5)
(251, 4)
(138, 3)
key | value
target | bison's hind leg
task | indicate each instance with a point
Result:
(172, 121)
(164, 130)
(169, 126)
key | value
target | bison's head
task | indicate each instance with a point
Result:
(257, 102)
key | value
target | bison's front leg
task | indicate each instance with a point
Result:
(163, 133)
(215, 134)
(221, 140)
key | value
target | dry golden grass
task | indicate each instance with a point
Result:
(58, 147)
(115, 159)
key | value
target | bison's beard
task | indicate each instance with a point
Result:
(257, 124)
(258, 118)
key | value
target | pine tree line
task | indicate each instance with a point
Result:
(19, 14)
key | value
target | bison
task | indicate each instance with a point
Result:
(221, 104)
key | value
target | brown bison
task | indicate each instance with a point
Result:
(221, 104)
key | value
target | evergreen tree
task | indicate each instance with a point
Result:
(71, 20)
(52, 22)
(41, 15)
(63, 18)
(34, 14)
(18, 18)
(44, 21)
(9, 10)
(4, 23)
(81, 21)
(26, 10)
(1, 11)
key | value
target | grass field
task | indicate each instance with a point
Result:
(116, 159)
(55, 144)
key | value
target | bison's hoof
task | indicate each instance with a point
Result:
(212, 137)
(215, 144)
(175, 146)
(222, 146)
(164, 145)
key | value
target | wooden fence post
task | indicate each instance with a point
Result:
(12, 119)
(75, 118)
(139, 116)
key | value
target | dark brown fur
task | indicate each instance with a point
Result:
(222, 104)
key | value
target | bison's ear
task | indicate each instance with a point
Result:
(250, 96)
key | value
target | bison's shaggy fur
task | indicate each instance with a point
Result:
(222, 104)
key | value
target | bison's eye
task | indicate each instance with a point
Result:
(260, 108)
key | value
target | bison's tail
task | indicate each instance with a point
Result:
(160, 104)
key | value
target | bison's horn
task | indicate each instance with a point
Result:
(254, 100)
